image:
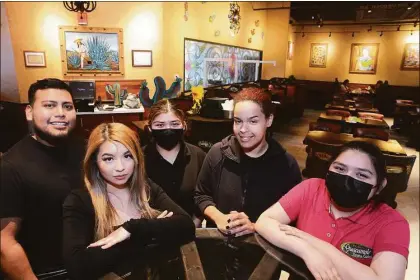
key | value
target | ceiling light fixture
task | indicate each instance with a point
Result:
(80, 6)
(369, 9)
(409, 6)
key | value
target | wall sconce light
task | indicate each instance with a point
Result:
(329, 35)
(370, 28)
(369, 10)
(303, 34)
(409, 6)
(352, 34)
(411, 33)
(382, 33)
(399, 27)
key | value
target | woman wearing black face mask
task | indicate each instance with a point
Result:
(344, 230)
(170, 162)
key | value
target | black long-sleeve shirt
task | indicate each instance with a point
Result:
(230, 180)
(178, 180)
(91, 263)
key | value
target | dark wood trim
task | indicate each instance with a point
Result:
(216, 43)
(209, 42)
(146, 51)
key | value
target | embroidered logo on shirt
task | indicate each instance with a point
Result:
(356, 250)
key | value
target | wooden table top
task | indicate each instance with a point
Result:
(351, 109)
(389, 147)
(203, 119)
(288, 261)
(366, 122)
(292, 262)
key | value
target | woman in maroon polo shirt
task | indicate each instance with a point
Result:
(344, 230)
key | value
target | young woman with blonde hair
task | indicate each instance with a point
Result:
(171, 162)
(118, 215)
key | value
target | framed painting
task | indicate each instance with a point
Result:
(364, 58)
(91, 51)
(318, 56)
(290, 50)
(410, 59)
(141, 58)
(34, 59)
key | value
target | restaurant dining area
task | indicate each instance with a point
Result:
(210, 140)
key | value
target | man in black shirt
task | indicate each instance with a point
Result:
(37, 174)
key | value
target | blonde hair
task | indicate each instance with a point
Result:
(105, 213)
(164, 106)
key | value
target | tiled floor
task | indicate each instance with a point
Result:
(291, 137)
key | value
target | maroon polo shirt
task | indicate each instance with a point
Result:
(359, 236)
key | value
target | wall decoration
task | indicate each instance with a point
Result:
(212, 17)
(364, 58)
(217, 33)
(160, 91)
(290, 50)
(91, 51)
(318, 57)
(410, 60)
(141, 58)
(257, 23)
(34, 59)
(253, 32)
(186, 11)
(250, 40)
(218, 72)
(234, 17)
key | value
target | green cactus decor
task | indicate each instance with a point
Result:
(116, 92)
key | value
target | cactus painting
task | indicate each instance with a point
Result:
(91, 51)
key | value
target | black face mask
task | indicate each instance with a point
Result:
(168, 138)
(346, 191)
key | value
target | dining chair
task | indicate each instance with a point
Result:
(398, 171)
(366, 115)
(325, 126)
